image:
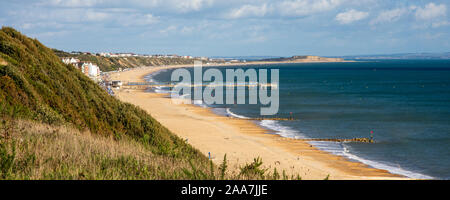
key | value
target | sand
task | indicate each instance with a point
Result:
(241, 140)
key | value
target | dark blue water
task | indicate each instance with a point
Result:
(405, 103)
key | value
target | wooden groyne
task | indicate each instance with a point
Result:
(362, 140)
(275, 119)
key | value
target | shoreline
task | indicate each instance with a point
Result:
(241, 140)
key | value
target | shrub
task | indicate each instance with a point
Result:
(253, 170)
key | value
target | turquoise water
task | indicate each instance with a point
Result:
(405, 102)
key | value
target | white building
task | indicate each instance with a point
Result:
(90, 69)
(94, 71)
(72, 61)
(125, 54)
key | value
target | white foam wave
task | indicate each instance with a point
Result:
(281, 130)
(162, 91)
(388, 167)
(340, 149)
(235, 115)
(157, 72)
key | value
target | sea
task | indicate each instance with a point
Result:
(404, 103)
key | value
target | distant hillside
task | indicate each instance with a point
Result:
(304, 59)
(36, 86)
(114, 63)
(406, 56)
(246, 58)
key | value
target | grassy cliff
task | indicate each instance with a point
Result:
(55, 123)
(35, 86)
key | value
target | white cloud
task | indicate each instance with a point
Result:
(73, 3)
(27, 25)
(59, 17)
(190, 5)
(440, 24)
(187, 29)
(432, 36)
(181, 6)
(170, 29)
(95, 16)
(306, 7)
(249, 11)
(137, 19)
(70, 15)
(149, 19)
(431, 11)
(389, 15)
(296, 8)
(254, 33)
(351, 16)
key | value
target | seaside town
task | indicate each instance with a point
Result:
(92, 70)
(124, 55)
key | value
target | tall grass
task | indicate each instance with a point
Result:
(42, 151)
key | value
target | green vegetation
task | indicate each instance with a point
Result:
(35, 85)
(56, 123)
(35, 150)
(38, 86)
(223, 167)
(42, 151)
(111, 64)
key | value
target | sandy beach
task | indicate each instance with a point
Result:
(241, 140)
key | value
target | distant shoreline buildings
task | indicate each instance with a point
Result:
(87, 68)
(119, 55)
(124, 55)
(93, 71)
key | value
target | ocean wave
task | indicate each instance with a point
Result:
(157, 72)
(149, 79)
(161, 91)
(281, 130)
(388, 167)
(229, 113)
(340, 149)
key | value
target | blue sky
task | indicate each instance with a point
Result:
(235, 28)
